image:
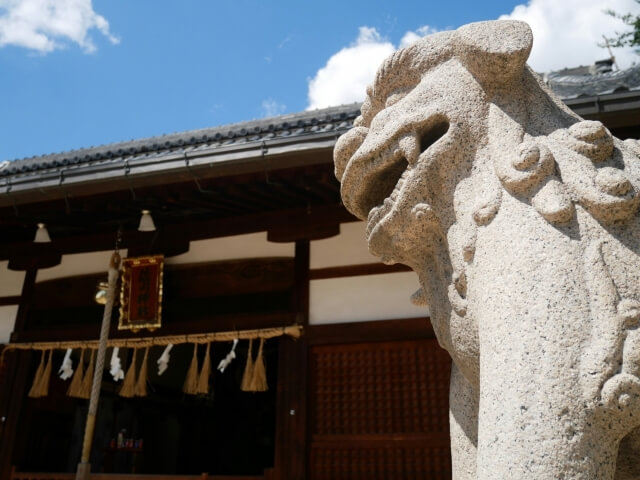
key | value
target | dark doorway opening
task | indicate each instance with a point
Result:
(225, 432)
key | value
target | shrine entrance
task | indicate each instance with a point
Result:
(225, 432)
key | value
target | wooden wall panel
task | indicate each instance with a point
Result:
(384, 463)
(380, 410)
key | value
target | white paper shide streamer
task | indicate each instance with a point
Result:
(66, 369)
(224, 363)
(163, 361)
(116, 366)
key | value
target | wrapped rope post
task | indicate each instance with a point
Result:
(84, 467)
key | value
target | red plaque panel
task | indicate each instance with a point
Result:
(141, 294)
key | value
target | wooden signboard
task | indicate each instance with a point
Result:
(141, 293)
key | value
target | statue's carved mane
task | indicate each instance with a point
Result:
(461, 148)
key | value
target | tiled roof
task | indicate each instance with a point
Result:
(569, 86)
(299, 125)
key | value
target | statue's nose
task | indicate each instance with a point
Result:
(345, 147)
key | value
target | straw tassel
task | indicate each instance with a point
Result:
(46, 376)
(40, 386)
(259, 377)
(245, 386)
(191, 380)
(141, 384)
(87, 381)
(76, 381)
(33, 392)
(128, 389)
(203, 378)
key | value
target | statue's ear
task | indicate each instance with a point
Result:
(495, 52)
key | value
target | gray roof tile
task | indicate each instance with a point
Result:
(590, 85)
(297, 124)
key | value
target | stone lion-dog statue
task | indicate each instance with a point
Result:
(521, 222)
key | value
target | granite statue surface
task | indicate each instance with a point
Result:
(521, 221)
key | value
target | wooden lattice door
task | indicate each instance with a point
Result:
(379, 410)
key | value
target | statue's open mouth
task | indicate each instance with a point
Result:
(382, 208)
(389, 170)
(388, 181)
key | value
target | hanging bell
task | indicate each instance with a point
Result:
(146, 222)
(101, 293)
(42, 235)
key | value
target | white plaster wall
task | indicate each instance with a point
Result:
(78, 264)
(347, 248)
(364, 298)
(10, 281)
(7, 321)
(228, 248)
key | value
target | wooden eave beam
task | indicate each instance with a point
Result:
(88, 180)
(20, 253)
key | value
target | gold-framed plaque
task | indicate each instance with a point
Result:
(141, 293)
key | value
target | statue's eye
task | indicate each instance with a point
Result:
(395, 98)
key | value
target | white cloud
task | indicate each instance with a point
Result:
(47, 25)
(413, 36)
(566, 32)
(347, 73)
(271, 108)
(345, 77)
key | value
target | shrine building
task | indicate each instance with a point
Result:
(229, 233)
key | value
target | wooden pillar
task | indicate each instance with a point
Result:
(301, 282)
(291, 452)
(16, 369)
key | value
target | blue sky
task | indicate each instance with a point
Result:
(77, 73)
